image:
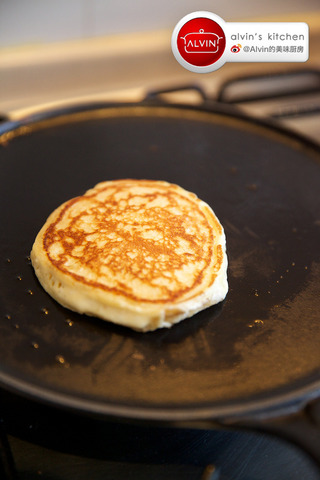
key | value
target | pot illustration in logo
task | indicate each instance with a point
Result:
(236, 48)
(201, 42)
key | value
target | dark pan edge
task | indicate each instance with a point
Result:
(272, 125)
(283, 403)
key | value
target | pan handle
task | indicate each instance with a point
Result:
(301, 428)
(7, 467)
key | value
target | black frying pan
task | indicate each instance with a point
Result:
(256, 355)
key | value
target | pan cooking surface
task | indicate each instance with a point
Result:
(261, 343)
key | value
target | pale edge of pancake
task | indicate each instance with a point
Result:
(140, 316)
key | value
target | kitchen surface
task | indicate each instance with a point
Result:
(124, 64)
(85, 53)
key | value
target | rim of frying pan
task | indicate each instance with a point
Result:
(269, 405)
(208, 106)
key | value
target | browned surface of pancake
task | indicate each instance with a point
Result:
(147, 246)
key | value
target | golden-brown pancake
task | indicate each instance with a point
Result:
(140, 253)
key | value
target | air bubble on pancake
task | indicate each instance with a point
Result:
(132, 255)
(152, 235)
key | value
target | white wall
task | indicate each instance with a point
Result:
(38, 21)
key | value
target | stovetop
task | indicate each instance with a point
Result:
(52, 445)
(48, 444)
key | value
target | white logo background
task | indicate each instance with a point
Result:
(255, 42)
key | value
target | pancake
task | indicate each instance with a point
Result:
(140, 253)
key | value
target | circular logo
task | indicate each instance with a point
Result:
(198, 42)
